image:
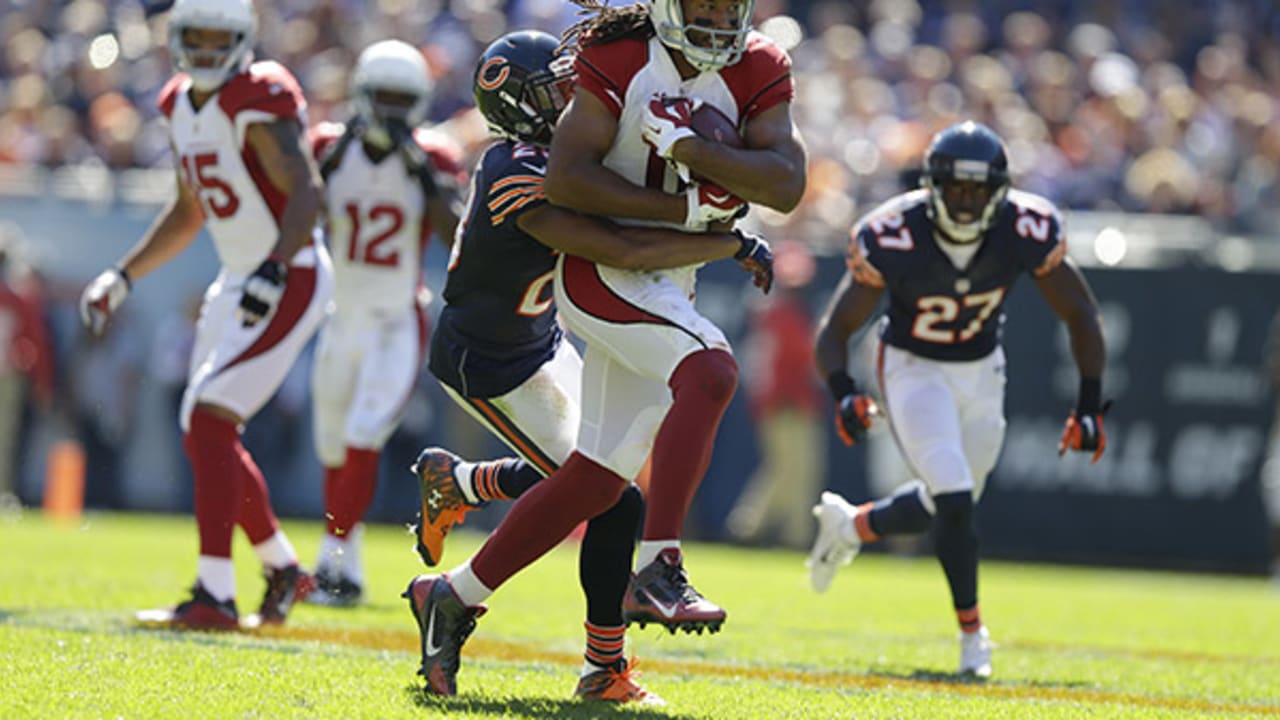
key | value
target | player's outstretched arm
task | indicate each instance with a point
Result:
(850, 308)
(769, 171)
(577, 179)
(628, 248)
(282, 149)
(1070, 298)
(173, 230)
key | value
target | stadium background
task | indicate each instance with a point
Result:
(1157, 125)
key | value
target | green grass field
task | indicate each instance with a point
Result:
(1073, 642)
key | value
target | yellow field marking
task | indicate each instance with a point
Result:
(487, 649)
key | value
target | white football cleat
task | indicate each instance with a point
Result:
(975, 653)
(833, 547)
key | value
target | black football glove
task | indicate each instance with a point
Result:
(756, 257)
(1084, 432)
(853, 418)
(262, 291)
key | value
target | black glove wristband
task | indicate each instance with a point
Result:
(841, 385)
(1089, 401)
(124, 275)
(746, 242)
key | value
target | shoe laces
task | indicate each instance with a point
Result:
(452, 660)
(624, 676)
(678, 578)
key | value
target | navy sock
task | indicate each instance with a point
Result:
(604, 559)
(517, 475)
(957, 546)
(902, 513)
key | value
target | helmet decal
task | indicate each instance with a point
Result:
(522, 83)
(493, 73)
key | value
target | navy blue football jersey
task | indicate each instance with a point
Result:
(936, 309)
(498, 325)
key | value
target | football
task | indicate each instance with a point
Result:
(710, 123)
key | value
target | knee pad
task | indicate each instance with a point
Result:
(945, 469)
(713, 373)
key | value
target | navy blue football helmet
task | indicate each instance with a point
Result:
(522, 84)
(966, 172)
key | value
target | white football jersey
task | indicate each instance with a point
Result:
(630, 156)
(377, 222)
(626, 74)
(242, 208)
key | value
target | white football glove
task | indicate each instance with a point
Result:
(262, 291)
(709, 203)
(101, 298)
(668, 120)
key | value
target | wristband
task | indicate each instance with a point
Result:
(1089, 401)
(841, 385)
(124, 275)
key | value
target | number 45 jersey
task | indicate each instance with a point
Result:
(946, 301)
(242, 208)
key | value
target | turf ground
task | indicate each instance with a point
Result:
(1073, 642)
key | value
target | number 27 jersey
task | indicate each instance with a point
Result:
(938, 309)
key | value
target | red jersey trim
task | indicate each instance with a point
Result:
(298, 292)
(266, 87)
(761, 79)
(322, 137)
(583, 286)
(168, 97)
(605, 70)
(275, 199)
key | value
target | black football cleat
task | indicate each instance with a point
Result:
(444, 624)
(660, 593)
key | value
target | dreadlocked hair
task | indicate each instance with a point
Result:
(601, 23)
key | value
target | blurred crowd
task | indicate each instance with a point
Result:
(1123, 104)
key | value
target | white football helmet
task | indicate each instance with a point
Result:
(390, 66)
(210, 68)
(725, 46)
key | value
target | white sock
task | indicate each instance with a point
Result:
(218, 577)
(462, 472)
(276, 551)
(589, 667)
(342, 555)
(649, 549)
(332, 552)
(468, 587)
